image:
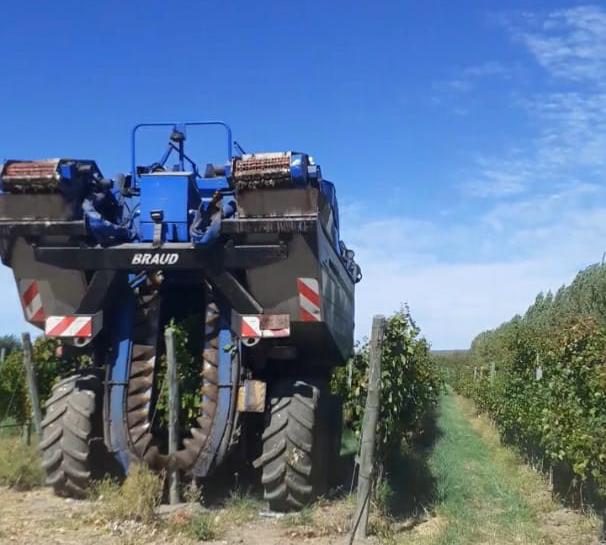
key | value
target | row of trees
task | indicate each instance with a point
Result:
(542, 378)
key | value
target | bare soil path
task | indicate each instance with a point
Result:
(39, 518)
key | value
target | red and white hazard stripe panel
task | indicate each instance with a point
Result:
(309, 300)
(265, 326)
(73, 326)
(31, 301)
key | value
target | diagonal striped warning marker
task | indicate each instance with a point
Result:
(309, 300)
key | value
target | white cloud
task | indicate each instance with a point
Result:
(552, 208)
(498, 177)
(569, 43)
(570, 120)
(534, 246)
(569, 143)
(489, 68)
(468, 77)
(453, 302)
(461, 276)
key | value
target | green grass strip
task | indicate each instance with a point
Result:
(479, 500)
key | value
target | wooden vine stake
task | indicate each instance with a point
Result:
(173, 416)
(32, 383)
(369, 430)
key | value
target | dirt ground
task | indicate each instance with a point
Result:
(39, 517)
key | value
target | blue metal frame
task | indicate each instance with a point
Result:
(122, 325)
(177, 126)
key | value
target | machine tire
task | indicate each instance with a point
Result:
(68, 433)
(293, 472)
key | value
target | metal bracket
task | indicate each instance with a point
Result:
(251, 396)
(239, 298)
(157, 217)
(101, 284)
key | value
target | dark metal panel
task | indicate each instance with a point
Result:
(279, 202)
(171, 256)
(19, 208)
(310, 255)
(42, 228)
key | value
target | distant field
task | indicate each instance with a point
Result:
(454, 352)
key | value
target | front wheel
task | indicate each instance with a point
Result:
(294, 441)
(68, 434)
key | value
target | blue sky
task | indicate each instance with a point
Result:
(467, 140)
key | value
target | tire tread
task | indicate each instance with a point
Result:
(67, 432)
(288, 446)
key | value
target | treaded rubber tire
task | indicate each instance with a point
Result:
(291, 447)
(67, 432)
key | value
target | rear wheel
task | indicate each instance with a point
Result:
(294, 444)
(68, 434)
